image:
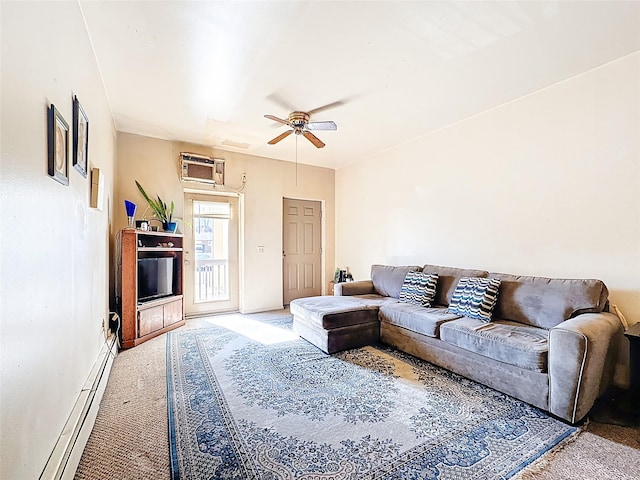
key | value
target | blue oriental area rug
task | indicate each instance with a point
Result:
(248, 399)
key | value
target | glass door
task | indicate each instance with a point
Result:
(211, 255)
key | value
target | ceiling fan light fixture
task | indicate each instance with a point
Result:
(299, 118)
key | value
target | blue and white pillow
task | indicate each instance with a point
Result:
(475, 297)
(419, 288)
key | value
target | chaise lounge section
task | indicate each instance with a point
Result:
(547, 342)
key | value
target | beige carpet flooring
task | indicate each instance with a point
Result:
(130, 436)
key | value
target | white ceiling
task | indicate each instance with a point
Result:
(207, 72)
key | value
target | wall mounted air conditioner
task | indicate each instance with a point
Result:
(200, 168)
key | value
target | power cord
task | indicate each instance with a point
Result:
(217, 187)
(116, 341)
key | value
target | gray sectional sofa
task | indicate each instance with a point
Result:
(549, 341)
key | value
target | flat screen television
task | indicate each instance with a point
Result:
(155, 278)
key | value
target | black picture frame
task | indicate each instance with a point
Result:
(80, 138)
(58, 146)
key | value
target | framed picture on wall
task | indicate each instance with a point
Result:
(80, 138)
(58, 146)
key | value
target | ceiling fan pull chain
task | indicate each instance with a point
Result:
(296, 160)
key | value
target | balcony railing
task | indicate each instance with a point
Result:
(212, 280)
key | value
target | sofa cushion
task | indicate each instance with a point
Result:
(475, 297)
(513, 343)
(418, 319)
(387, 279)
(448, 279)
(419, 288)
(332, 312)
(546, 302)
(374, 300)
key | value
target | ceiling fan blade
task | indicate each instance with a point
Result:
(313, 139)
(328, 125)
(280, 137)
(338, 103)
(276, 119)
(278, 100)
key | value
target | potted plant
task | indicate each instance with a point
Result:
(160, 210)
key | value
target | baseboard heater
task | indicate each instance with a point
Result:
(66, 454)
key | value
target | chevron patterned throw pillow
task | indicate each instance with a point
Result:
(475, 297)
(419, 288)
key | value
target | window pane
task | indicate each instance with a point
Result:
(211, 208)
(211, 235)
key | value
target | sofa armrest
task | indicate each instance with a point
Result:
(578, 356)
(361, 287)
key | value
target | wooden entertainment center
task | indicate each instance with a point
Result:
(143, 320)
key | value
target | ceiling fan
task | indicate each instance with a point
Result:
(300, 125)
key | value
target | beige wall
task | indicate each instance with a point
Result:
(55, 248)
(546, 185)
(155, 164)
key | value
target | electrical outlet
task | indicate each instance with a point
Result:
(114, 322)
(260, 248)
(244, 178)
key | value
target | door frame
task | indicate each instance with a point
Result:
(323, 241)
(241, 240)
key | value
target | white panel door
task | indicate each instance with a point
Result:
(301, 249)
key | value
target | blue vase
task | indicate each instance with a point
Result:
(131, 212)
(170, 227)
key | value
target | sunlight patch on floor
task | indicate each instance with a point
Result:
(254, 329)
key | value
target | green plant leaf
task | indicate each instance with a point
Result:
(163, 208)
(158, 207)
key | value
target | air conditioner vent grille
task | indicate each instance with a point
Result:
(202, 169)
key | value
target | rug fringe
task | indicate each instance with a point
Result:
(531, 472)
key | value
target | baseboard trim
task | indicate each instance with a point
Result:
(66, 454)
(261, 310)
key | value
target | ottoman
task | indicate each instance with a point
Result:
(335, 323)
